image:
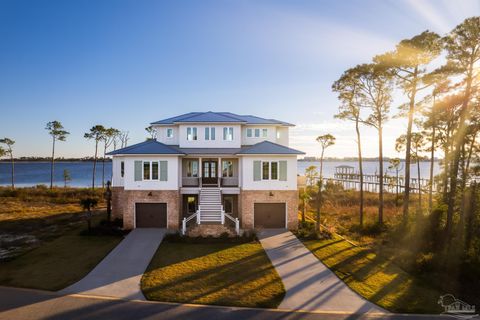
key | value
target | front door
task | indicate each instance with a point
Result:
(209, 172)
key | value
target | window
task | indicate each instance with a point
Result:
(191, 204)
(227, 168)
(146, 171)
(264, 133)
(122, 169)
(249, 133)
(169, 133)
(191, 133)
(209, 133)
(274, 170)
(257, 133)
(192, 168)
(154, 170)
(228, 134)
(265, 170)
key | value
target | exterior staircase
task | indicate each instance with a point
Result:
(210, 217)
(210, 205)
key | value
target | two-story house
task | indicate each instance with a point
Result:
(208, 168)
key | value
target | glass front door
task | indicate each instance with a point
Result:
(209, 173)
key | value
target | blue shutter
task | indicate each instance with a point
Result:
(283, 170)
(163, 170)
(257, 170)
(138, 170)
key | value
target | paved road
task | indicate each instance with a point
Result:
(309, 284)
(119, 274)
(25, 304)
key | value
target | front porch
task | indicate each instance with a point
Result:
(218, 172)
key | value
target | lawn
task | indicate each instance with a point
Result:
(231, 274)
(374, 277)
(58, 263)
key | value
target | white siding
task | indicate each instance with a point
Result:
(202, 143)
(247, 182)
(170, 184)
(162, 134)
(283, 136)
(271, 134)
(117, 180)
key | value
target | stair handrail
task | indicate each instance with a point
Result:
(235, 220)
(187, 219)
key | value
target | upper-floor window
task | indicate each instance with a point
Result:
(264, 133)
(265, 170)
(227, 168)
(191, 133)
(151, 170)
(192, 168)
(169, 133)
(228, 133)
(209, 133)
(122, 169)
(257, 133)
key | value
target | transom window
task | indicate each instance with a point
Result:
(228, 133)
(191, 133)
(227, 168)
(209, 133)
(169, 133)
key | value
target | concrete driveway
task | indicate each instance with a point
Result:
(309, 284)
(119, 274)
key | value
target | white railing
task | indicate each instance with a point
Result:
(187, 219)
(235, 220)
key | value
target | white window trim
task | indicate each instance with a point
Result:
(257, 130)
(169, 130)
(151, 171)
(264, 133)
(226, 133)
(278, 170)
(249, 133)
(261, 172)
(193, 134)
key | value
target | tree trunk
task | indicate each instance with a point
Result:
(94, 164)
(360, 168)
(52, 169)
(103, 165)
(304, 198)
(432, 164)
(13, 169)
(419, 211)
(380, 159)
(459, 140)
(319, 193)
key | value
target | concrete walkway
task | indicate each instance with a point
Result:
(308, 283)
(119, 274)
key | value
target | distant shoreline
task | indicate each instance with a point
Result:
(40, 160)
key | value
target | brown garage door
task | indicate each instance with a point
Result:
(151, 215)
(269, 215)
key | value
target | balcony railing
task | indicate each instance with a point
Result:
(224, 181)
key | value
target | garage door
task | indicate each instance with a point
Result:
(269, 215)
(151, 215)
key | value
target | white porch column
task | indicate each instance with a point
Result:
(200, 170)
(219, 175)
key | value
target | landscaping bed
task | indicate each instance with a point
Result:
(214, 272)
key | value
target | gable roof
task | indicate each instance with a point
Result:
(221, 117)
(147, 147)
(267, 147)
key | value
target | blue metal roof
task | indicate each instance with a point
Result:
(267, 147)
(155, 147)
(224, 117)
(147, 147)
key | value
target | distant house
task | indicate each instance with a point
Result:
(208, 168)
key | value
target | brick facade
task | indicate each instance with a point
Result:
(247, 199)
(123, 205)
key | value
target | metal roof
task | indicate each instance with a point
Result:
(147, 147)
(155, 147)
(267, 147)
(220, 117)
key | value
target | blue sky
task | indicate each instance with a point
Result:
(127, 63)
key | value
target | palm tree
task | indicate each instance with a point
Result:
(55, 129)
(96, 133)
(325, 141)
(9, 143)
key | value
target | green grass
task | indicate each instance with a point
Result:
(375, 278)
(228, 274)
(58, 263)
